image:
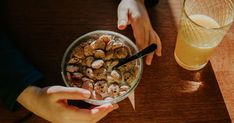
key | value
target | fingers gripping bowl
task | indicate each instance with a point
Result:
(89, 63)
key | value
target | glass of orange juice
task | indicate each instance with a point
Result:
(203, 25)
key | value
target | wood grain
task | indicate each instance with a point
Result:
(223, 66)
(166, 93)
(222, 61)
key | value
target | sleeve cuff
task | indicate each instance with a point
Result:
(33, 77)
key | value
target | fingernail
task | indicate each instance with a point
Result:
(148, 63)
(86, 94)
(115, 106)
(122, 24)
(159, 53)
(121, 27)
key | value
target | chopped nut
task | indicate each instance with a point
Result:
(109, 45)
(89, 60)
(83, 69)
(116, 75)
(122, 69)
(89, 73)
(97, 64)
(100, 73)
(99, 54)
(88, 85)
(68, 76)
(72, 68)
(76, 83)
(109, 55)
(101, 87)
(77, 75)
(109, 78)
(88, 50)
(113, 90)
(128, 77)
(78, 52)
(130, 65)
(98, 44)
(121, 53)
(74, 61)
(136, 70)
(105, 38)
(116, 45)
(114, 63)
(85, 79)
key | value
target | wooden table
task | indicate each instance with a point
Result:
(166, 93)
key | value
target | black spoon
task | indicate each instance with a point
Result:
(142, 53)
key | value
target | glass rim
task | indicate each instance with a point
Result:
(215, 28)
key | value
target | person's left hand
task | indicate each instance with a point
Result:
(134, 12)
(51, 104)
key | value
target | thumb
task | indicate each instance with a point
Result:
(73, 93)
(122, 17)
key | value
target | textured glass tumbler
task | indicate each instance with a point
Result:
(202, 26)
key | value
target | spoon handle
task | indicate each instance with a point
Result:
(142, 53)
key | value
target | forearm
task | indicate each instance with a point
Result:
(33, 99)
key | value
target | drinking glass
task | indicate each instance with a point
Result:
(203, 25)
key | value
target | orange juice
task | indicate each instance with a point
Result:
(194, 45)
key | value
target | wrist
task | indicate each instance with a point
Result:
(28, 98)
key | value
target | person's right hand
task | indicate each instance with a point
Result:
(51, 104)
(133, 12)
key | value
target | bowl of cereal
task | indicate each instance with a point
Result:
(89, 62)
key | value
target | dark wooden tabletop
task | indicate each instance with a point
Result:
(167, 93)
